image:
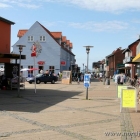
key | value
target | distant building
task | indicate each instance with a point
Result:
(115, 62)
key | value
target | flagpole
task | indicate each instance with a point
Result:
(35, 75)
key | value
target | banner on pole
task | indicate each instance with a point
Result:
(33, 49)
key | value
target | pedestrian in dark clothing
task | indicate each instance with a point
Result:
(78, 77)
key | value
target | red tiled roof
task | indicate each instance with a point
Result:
(56, 34)
(64, 39)
(54, 39)
(71, 46)
(67, 42)
(21, 32)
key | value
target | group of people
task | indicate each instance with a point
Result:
(123, 78)
(79, 76)
(120, 78)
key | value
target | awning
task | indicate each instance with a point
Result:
(137, 58)
(124, 68)
(12, 56)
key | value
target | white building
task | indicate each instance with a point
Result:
(54, 51)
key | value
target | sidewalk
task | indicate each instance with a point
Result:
(61, 112)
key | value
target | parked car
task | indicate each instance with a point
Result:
(29, 78)
(43, 78)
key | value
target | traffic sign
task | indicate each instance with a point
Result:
(86, 80)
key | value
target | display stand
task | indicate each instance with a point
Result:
(66, 77)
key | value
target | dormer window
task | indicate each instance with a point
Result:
(42, 38)
(30, 38)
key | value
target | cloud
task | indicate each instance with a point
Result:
(2, 5)
(110, 26)
(107, 5)
(30, 4)
(116, 6)
(102, 5)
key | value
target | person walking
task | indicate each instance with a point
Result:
(78, 77)
(100, 76)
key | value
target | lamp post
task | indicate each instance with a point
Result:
(71, 71)
(20, 50)
(83, 67)
(87, 50)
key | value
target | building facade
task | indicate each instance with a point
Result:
(5, 38)
(54, 52)
(115, 62)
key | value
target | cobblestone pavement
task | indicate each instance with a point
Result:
(61, 112)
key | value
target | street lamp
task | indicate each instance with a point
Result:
(83, 67)
(87, 50)
(20, 50)
(71, 65)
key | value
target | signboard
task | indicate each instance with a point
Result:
(41, 62)
(63, 63)
(119, 90)
(129, 98)
(86, 80)
(11, 70)
(36, 49)
(66, 77)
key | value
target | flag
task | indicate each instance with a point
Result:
(33, 49)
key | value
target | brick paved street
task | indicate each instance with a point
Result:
(61, 112)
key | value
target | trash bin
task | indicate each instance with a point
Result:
(107, 81)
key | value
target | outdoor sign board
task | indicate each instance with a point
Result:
(63, 63)
(86, 80)
(119, 90)
(41, 62)
(66, 77)
(11, 70)
(128, 99)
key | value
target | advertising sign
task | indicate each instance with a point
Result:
(33, 49)
(119, 90)
(63, 63)
(129, 98)
(41, 62)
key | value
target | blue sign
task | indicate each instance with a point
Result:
(86, 80)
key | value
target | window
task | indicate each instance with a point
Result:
(138, 49)
(30, 38)
(30, 73)
(51, 69)
(42, 38)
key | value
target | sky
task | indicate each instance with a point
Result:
(104, 24)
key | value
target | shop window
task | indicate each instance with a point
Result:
(51, 69)
(30, 73)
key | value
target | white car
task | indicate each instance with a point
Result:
(29, 78)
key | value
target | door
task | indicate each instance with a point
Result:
(40, 68)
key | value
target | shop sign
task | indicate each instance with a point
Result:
(63, 63)
(41, 62)
(120, 65)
